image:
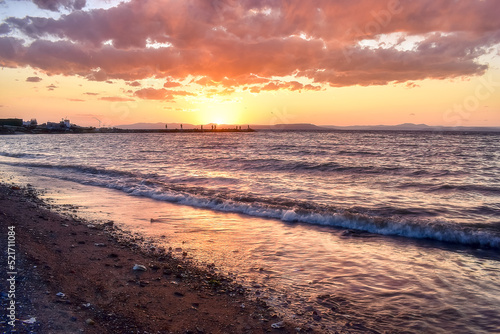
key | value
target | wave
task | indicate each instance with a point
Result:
(311, 167)
(384, 221)
(20, 155)
(466, 187)
(355, 153)
(310, 213)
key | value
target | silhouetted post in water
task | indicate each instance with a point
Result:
(202, 128)
(166, 126)
(181, 126)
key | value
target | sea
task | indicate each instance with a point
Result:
(353, 231)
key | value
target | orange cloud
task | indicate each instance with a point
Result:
(250, 43)
(159, 94)
(115, 99)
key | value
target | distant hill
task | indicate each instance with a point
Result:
(412, 127)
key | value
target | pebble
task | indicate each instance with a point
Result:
(278, 325)
(90, 322)
(139, 267)
(29, 321)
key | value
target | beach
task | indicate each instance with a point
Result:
(74, 277)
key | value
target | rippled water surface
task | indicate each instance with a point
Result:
(348, 224)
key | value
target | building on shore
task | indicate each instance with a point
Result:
(11, 122)
(65, 124)
(31, 123)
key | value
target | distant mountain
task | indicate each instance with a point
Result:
(412, 127)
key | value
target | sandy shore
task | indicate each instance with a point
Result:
(76, 277)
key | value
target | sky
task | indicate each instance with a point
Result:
(326, 62)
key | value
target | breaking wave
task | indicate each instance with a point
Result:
(388, 221)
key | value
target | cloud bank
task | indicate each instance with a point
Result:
(257, 45)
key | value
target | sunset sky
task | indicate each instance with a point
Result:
(327, 62)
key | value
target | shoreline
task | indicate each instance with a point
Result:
(74, 277)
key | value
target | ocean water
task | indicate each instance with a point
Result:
(390, 231)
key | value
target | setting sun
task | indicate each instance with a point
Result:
(220, 113)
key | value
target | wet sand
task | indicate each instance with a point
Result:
(77, 277)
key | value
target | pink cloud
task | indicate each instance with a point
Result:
(249, 43)
(115, 99)
(134, 83)
(152, 94)
(160, 94)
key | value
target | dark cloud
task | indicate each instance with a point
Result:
(51, 87)
(4, 28)
(251, 42)
(33, 79)
(54, 5)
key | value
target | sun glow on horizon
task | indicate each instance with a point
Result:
(220, 113)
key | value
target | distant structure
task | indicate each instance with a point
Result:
(64, 124)
(98, 121)
(31, 123)
(11, 122)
